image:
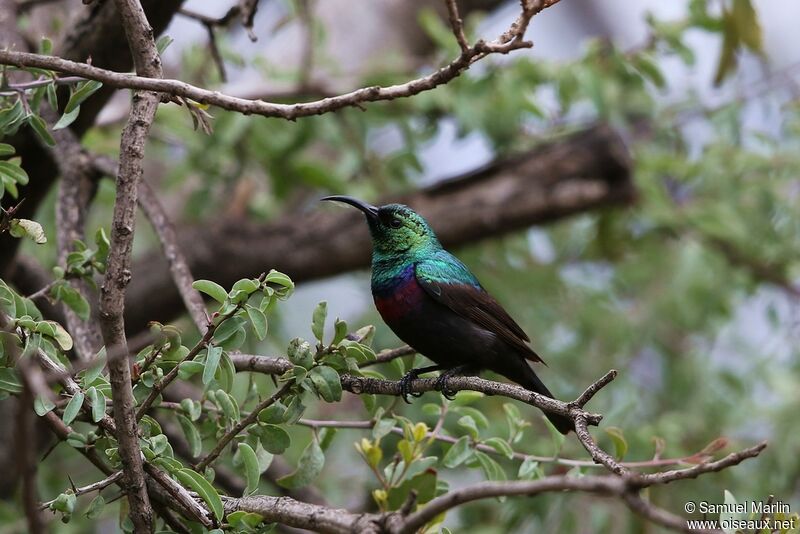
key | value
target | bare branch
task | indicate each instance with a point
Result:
(389, 355)
(457, 24)
(118, 274)
(287, 511)
(75, 192)
(95, 486)
(360, 385)
(270, 365)
(509, 41)
(25, 438)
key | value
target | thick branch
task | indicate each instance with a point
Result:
(75, 192)
(584, 171)
(361, 385)
(287, 511)
(112, 301)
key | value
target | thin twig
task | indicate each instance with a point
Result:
(457, 24)
(512, 39)
(95, 486)
(389, 355)
(241, 425)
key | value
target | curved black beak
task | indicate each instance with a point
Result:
(368, 209)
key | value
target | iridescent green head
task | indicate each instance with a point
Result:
(396, 229)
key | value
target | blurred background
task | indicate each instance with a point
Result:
(689, 288)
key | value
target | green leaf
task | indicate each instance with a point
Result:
(280, 279)
(728, 516)
(273, 438)
(466, 397)
(228, 404)
(620, 445)
(9, 381)
(203, 487)
(529, 469)
(308, 467)
(251, 469)
(71, 297)
(382, 427)
(73, 408)
(64, 503)
(95, 370)
(501, 446)
(76, 440)
(273, 413)
(163, 43)
(212, 362)
(469, 423)
(460, 452)
(42, 405)
(212, 289)
(339, 331)
(28, 228)
(192, 435)
(327, 383)
(6, 150)
(193, 408)
(294, 410)
(557, 437)
(245, 521)
(747, 27)
(424, 484)
(490, 468)
(98, 402)
(52, 96)
(247, 285)
(67, 118)
(40, 129)
(95, 507)
(81, 93)
(258, 320)
(45, 46)
(300, 353)
(318, 320)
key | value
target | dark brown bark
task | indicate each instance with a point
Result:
(584, 171)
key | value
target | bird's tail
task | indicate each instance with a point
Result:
(530, 381)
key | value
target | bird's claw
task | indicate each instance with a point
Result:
(441, 386)
(405, 386)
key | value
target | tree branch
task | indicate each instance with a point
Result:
(112, 300)
(363, 385)
(251, 418)
(509, 41)
(75, 192)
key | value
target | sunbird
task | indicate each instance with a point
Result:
(432, 301)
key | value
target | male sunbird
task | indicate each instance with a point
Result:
(436, 305)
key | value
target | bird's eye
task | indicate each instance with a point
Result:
(395, 223)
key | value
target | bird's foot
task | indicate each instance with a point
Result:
(441, 382)
(409, 377)
(441, 386)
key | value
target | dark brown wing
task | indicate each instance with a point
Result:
(474, 303)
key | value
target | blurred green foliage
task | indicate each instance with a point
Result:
(689, 293)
